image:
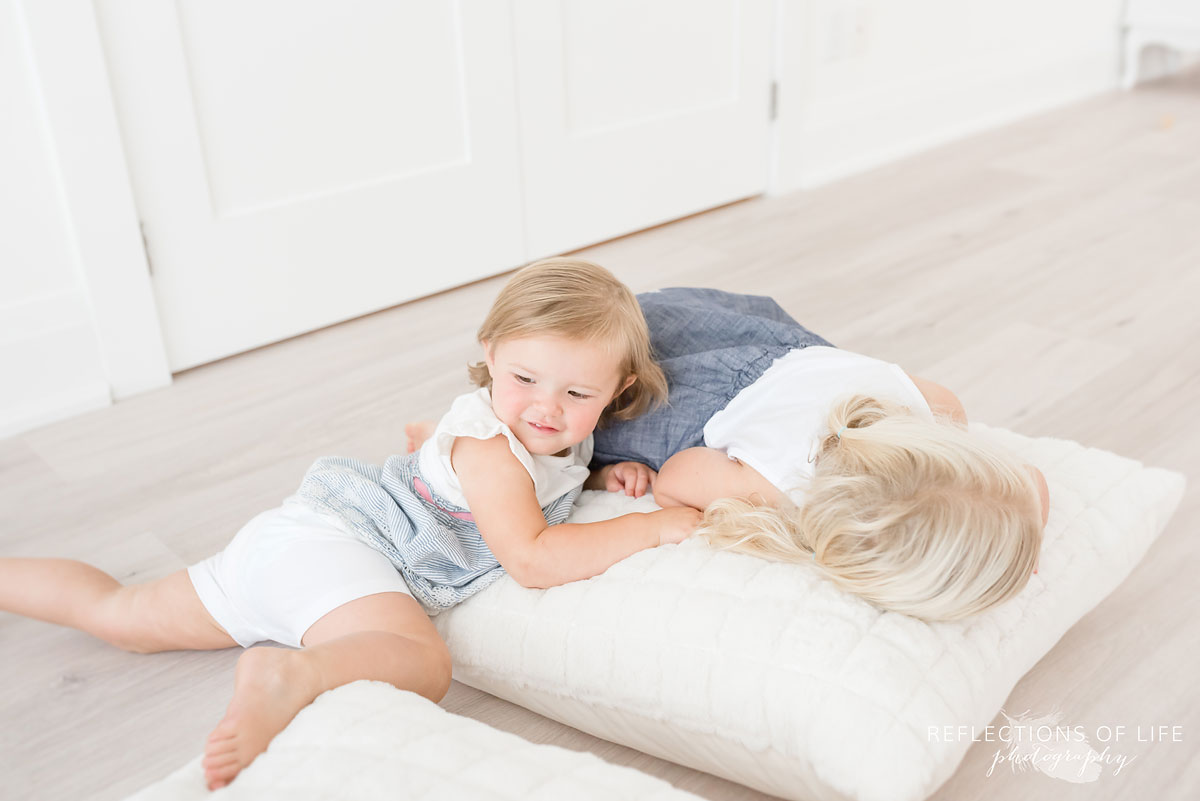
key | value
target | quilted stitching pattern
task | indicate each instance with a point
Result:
(770, 676)
(368, 740)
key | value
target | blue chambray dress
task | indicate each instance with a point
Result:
(711, 345)
(433, 543)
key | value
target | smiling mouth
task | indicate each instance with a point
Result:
(541, 429)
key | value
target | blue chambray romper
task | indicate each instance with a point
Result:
(434, 544)
(711, 345)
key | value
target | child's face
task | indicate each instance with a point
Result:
(550, 390)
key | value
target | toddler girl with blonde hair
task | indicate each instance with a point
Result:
(351, 567)
(798, 451)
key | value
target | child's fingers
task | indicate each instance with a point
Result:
(631, 478)
(626, 479)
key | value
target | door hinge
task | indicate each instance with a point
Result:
(146, 247)
(773, 111)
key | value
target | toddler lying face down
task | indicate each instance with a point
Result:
(799, 451)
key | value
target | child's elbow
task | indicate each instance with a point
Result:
(522, 573)
(664, 497)
(668, 490)
(531, 580)
(527, 570)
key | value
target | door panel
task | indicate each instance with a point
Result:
(305, 112)
(300, 163)
(636, 113)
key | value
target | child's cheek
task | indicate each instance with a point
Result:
(591, 418)
(507, 403)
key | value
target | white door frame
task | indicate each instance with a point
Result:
(94, 181)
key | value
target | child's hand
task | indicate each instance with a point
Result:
(419, 432)
(633, 478)
(676, 524)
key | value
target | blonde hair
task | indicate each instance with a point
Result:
(914, 516)
(579, 300)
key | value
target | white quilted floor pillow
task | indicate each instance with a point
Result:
(769, 676)
(368, 740)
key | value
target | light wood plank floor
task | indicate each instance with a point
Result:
(1048, 271)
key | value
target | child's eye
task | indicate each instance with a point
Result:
(524, 379)
(578, 395)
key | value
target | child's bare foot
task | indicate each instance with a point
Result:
(418, 432)
(270, 687)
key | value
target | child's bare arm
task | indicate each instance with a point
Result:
(942, 401)
(501, 497)
(698, 476)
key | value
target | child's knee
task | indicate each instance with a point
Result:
(441, 669)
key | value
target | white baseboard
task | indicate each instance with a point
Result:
(828, 141)
(48, 410)
(50, 361)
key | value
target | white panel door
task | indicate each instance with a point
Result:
(634, 113)
(297, 163)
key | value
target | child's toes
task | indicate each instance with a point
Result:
(220, 773)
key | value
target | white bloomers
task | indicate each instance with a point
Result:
(285, 570)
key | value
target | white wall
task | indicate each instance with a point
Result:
(77, 322)
(863, 82)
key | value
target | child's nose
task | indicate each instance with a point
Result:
(548, 406)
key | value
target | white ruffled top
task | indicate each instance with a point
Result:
(471, 415)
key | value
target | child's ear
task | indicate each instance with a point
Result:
(488, 356)
(629, 382)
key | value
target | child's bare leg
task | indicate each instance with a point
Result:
(385, 637)
(162, 615)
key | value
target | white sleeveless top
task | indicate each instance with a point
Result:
(471, 415)
(776, 424)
